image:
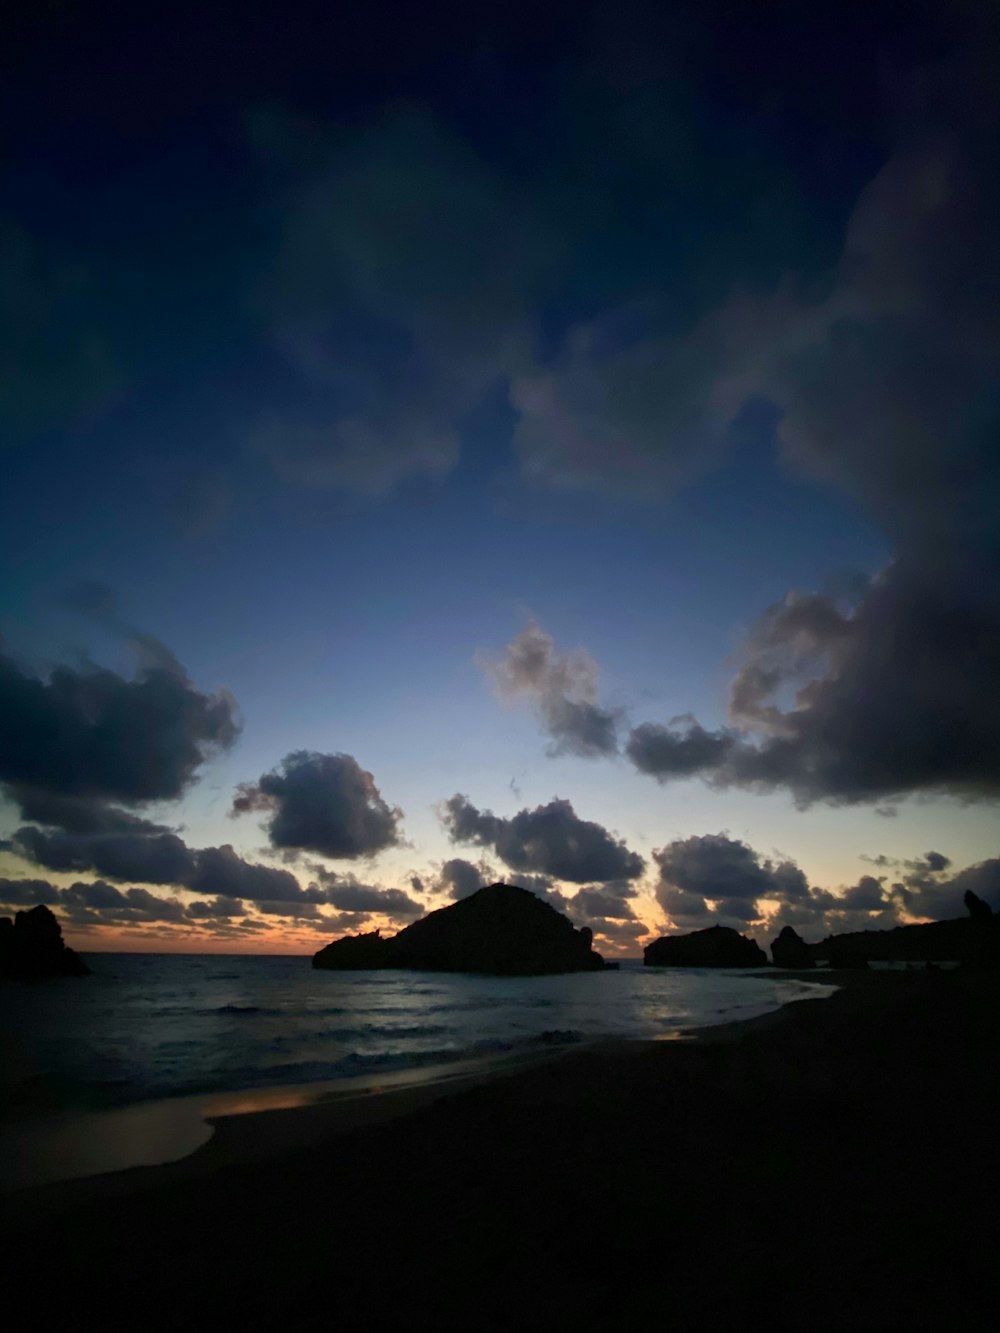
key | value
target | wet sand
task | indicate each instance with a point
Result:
(828, 1166)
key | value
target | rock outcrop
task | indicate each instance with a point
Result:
(972, 941)
(501, 930)
(31, 948)
(718, 946)
(791, 950)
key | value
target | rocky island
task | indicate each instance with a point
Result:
(32, 948)
(501, 930)
(971, 941)
(718, 946)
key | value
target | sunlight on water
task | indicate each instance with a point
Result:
(150, 1026)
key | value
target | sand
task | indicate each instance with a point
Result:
(830, 1166)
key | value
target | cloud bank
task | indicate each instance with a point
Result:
(548, 840)
(325, 803)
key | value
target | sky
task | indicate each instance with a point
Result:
(551, 443)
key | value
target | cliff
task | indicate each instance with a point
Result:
(32, 948)
(973, 941)
(718, 946)
(500, 930)
(963, 940)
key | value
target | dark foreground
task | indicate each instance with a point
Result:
(834, 1169)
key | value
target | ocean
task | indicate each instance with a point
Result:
(150, 1026)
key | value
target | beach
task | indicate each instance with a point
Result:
(831, 1165)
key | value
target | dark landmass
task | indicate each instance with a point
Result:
(32, 948)
(973, 941)
(832, 1168)
(718, 946)
(501, 930)
(791, 950)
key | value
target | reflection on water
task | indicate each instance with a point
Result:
(153, 1026)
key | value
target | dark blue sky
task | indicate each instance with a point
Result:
(340, 351)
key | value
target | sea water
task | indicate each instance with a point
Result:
(148, 1026)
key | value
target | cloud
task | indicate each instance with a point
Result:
(564, 688)
(880, 381)
(926, 889)
(681, 749)
(161, 858)
(460, 879)
(323, 803)
(608, 903)
(549, 840)
(98, 903)
(301, 910)
(714, 878)
(27, 892)
(618, 932)
(89, 734)
(890, 696)
(867, 895)
(79, 814)
(220, 870)
(216, 908)
(348, 895)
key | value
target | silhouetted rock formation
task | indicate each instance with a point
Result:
(791, 950)
(31, 947)
(718, 946)
(973, 941)
(977, 909)
(500, 929)
(967, 940)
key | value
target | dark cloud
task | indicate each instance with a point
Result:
(88, 904)
(89, 734)
(549, 840)
(300, 910)
(161, 858)
(216, 908)
(983, 879)
(618, 932)
(98, 903)
(890, 696)
(592, 903)
(925, 887)
(867, 895)
(221, 871)
(563, 686)
(714, 866)
(324, 803)
(27, 892)
(937, 861)
(715, 878)
(97, 894)
(679, 750)
(881, 381)
(78, 814)
(347, 895)
(459, 878)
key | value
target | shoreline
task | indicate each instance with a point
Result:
(822, 1152)
(112, 1150)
